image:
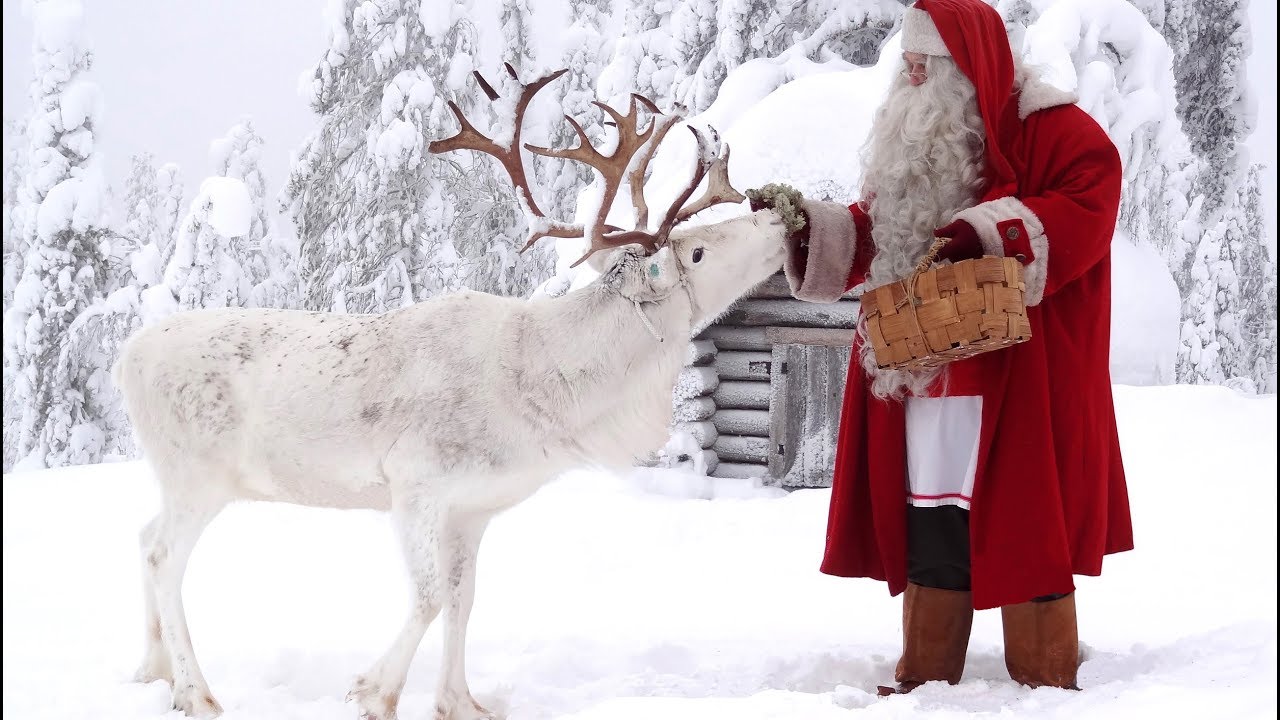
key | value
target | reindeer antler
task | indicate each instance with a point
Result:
(614, 167)
(652, 241)
(719, 189)
(468, 138)
(635, 178)
(622, 162)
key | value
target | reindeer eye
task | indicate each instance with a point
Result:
(697, 255)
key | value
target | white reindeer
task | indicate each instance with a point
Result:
(444, 413)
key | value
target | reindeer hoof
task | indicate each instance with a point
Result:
(196, 703)
(373, 703)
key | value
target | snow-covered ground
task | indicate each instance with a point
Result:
(651, 596)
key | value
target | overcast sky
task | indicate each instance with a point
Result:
(177, 75)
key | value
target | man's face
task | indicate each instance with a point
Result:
(916, 73)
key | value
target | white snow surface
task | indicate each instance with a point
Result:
(1145, 319)
(619, 598)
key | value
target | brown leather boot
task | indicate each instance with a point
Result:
(1040, 643)
(935, 637)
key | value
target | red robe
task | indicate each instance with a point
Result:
(1050, 497)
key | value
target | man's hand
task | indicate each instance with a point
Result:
(964, 244)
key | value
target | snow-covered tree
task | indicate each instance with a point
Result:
(279, 289)
(239, 156)
(1229, 315)
(169, 218)
(61, 215)
(205, 271)
(487, 225)
(1122, 70)
(123, 246)
(1176, 108)
(1258, 281)
(14, 168)
(142, 221)
(1211, 42)
(94, 341)
(366, 202)
(680, 53)
(1228, 268)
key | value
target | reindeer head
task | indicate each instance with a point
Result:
(716, 263)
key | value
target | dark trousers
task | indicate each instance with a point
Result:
(938, 548)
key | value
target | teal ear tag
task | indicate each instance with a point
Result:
(654, 270)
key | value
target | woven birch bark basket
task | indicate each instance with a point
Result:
(940, 315)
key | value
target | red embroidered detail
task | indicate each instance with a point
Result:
(961, 496)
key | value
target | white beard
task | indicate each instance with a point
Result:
(923, 162)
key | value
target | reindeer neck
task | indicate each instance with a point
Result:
(594, 333)
(608, 370)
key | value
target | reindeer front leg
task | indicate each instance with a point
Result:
(459, 548)
(378, 690)
(167, 545)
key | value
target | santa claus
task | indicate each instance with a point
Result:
(993, 482)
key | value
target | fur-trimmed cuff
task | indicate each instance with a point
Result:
(991, 220)
(832, 239)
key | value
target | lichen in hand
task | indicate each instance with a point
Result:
(782, 199)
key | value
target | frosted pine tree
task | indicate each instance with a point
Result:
(142, 221)
(14, 167)
(124, 245)
(1207, 316)
(644, 58)
(94, 341)
(1210, 41)
(279, 289)
(60, 208)
(1122, 70)
(682, 52)
(487, 234)
(205, 271)
(169, 219)
(1257, 271)
(1230, 334)
(239, 156)
(366, 202)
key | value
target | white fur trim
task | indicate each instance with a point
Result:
(920, 34)
(1036, 94)
(983, 218)
(832, 240)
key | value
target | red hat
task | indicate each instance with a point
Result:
(973, 34)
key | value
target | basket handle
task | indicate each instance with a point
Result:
(925, 262)
(929, 257)
(909, 284)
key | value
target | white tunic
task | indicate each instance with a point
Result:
(942, 449)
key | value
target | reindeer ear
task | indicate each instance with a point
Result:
(602, 262)
(651, 278)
